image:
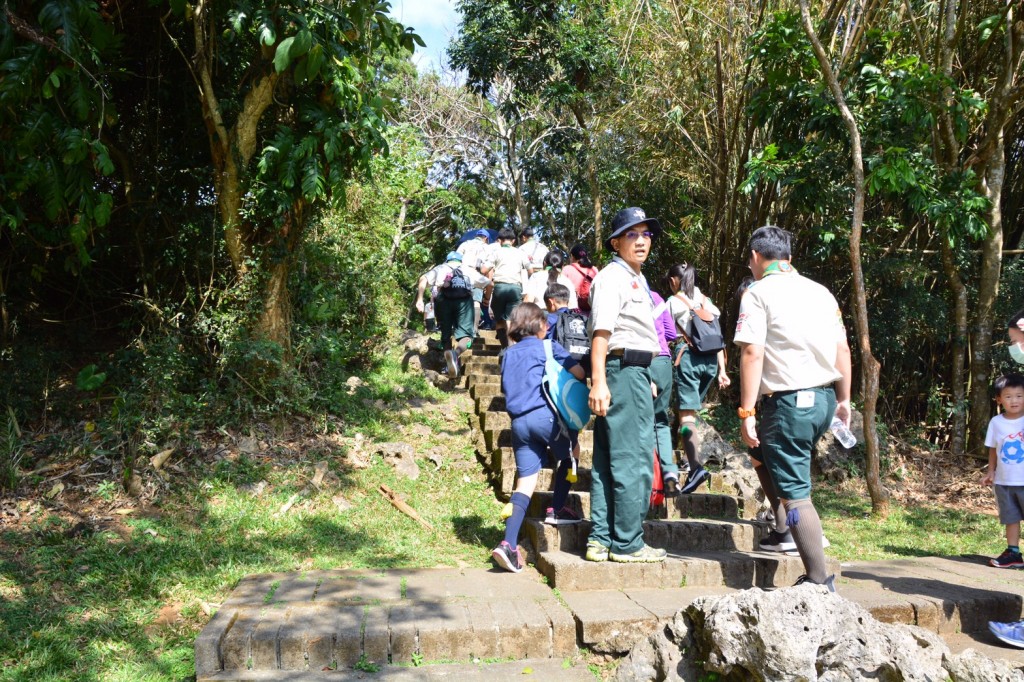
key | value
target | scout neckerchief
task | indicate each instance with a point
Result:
(779, 267)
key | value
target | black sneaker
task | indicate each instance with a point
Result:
(671, 487)
(507, 557)
(777, 542)
(830, 582)
(1008, 559)
(562, 517)
(452, 363)
(695, 478)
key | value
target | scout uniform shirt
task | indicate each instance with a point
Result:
(799, 324)
(509, 264)
(621, 304)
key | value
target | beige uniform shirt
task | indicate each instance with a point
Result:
(474, 253)
(620, 303)
(682, 313)
(509, 265)
(538, 284)
(436, 276)
(799, 324)
(534, 252)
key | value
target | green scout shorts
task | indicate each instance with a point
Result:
(694, 375)
(791, 424)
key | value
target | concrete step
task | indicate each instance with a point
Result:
(502, 438)
(318, 619)
(569, 571)
(567, 670)
(724, 507)
(686, 535)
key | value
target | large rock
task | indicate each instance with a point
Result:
(796, 634)
(736, 474)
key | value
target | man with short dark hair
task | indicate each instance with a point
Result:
(624, 342)
(533, 250)
(795, 356)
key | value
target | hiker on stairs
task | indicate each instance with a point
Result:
(794, 355)
(694, 370)
(661, 375)
(507, 267)
(454, 305)
(535, 426)
(623, 344)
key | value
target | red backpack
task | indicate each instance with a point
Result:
(583, 290)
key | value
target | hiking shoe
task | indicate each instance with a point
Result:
(777, 542)
(562, 517)
(825, 544)
(508, 558)
(451, 361)
(830, 582)
(671, 487)
(694, 479)
(1010, 633)
(644, 555)
(1008, 559)
(596, 551)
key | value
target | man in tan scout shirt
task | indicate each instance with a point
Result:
(796, 357)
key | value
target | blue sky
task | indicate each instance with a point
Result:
(436, 21)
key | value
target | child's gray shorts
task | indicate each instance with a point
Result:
(1010, 499)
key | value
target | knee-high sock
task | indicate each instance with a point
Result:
(768, 486)
(691, 444)
(805, 526)
(513, 523)
(502, 337)
(561, 493)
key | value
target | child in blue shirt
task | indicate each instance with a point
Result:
(535, 427)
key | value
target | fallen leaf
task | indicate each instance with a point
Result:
(150, 531)
(159, 458)
(56, 490)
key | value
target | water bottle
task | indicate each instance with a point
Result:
(843, 433)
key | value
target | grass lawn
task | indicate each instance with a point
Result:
(96, 587)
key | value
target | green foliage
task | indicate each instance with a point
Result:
(89, 379)
(12, 450)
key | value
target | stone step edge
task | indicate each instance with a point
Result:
(565, 670)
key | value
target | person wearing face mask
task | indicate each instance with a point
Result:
(1015, 329)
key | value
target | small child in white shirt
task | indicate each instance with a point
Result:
(1005, 441)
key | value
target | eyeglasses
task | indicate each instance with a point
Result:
(633, 234)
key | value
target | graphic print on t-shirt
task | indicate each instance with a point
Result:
(1011, 450)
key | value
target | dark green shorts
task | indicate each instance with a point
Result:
(504, 298)
(790, 426)
(455, 318)
(694, 375)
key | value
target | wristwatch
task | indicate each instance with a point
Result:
(743, 414)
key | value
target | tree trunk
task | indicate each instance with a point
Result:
(232, 148)
(275, 322)
(869, 365)
(988, 290)
(992, 164)
(957, 374)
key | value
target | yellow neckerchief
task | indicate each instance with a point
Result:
(779, 267)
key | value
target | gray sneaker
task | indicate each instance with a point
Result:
(452, 362)
(644, 555)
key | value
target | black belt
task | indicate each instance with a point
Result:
(634, 358)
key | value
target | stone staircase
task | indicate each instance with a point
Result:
(477, 624)
(711, 538)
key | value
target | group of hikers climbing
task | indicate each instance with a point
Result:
(638, 350)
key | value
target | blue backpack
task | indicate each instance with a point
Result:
(569, 396)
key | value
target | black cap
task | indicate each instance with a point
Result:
(627, 218)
